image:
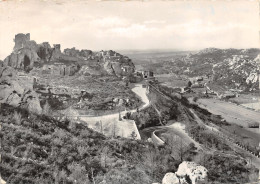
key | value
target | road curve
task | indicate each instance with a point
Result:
(124, 127)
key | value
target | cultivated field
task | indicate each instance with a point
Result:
(231, 112)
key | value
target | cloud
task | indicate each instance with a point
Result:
(131, 25)
(108, 22)
(155, 22)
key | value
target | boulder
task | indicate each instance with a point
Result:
(2, 181)
(194, 171)
(11, 91)
(15, 94)
(31, 102)
(188, 173)
(7, 72)
(170, 178)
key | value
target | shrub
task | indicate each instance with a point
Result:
(17, 118)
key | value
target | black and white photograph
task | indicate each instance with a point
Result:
(129, 92)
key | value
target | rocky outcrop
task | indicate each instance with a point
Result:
(120, 66)
(27, 54)
(188, 172)
(13, 93)
(23, 59)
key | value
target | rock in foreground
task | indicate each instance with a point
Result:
(188, 172)
(15, 94)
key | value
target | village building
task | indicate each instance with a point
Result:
(145, 74)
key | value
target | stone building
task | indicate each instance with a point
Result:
(145, 74)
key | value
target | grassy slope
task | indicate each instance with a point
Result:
(212, 142)
(38, 149)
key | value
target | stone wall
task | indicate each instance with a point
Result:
(59, 69)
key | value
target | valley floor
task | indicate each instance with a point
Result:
(230, 112)
(255, 106)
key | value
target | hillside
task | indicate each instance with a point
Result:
(87, 82)
(39, 149)
(228, 68)
(51, 103)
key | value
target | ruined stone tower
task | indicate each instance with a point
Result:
(20, 40)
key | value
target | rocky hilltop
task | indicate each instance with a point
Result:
(83, 79)
(228, 68)
(27, 54)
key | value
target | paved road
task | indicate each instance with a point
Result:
(111, 123)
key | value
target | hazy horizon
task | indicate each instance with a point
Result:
(132, 26)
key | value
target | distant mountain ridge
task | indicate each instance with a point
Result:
(227, 67)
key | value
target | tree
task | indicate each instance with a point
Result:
(150, 160)
(189, 84)
(133, 135)
(128, 115)
(115, 129)
(104, 154)
(78, 173)
(177, 146)
(46, 108)
(17, 118)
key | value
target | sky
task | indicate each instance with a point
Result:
(131, 25)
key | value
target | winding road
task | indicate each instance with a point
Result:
(111, 125)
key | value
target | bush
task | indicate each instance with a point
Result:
(17, 118)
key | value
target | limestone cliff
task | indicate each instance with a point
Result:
(115, 63)
(14, 93)
(23, 58)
